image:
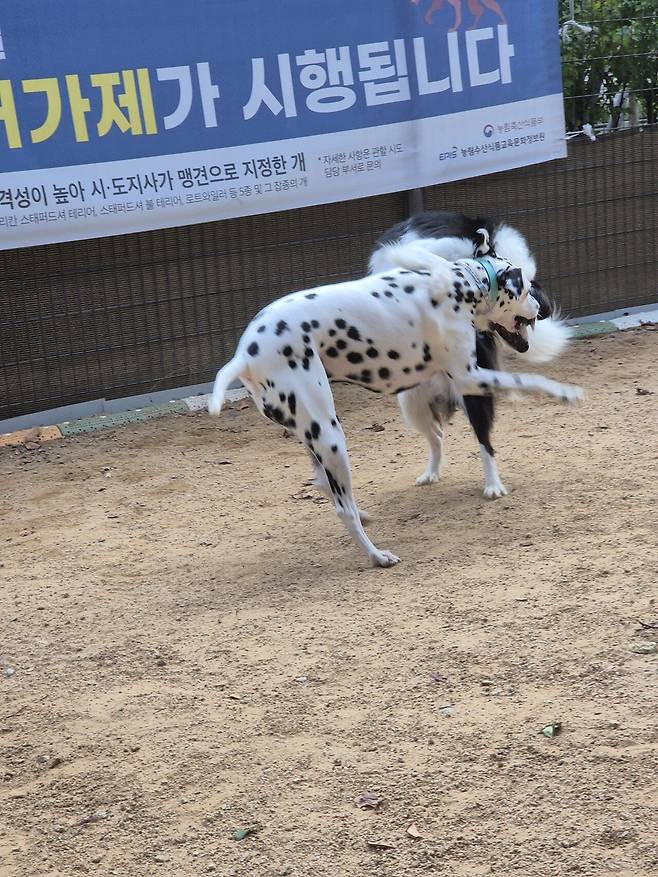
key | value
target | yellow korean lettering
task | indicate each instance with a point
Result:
(111, 107)
(79, 106)
(49, 87)
(148, 110)
(8, 114)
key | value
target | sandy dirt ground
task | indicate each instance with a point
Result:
(196, 648)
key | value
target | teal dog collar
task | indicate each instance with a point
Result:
(491, 274)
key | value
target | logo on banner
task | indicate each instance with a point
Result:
(476, 7)
(488, 130)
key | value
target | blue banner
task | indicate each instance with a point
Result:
(275, 105)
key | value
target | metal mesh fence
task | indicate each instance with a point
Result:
(610, 63)
(139, 313)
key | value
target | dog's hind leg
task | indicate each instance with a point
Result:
(321, 481)
(318, 427)
(420, 413)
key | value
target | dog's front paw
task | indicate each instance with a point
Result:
(384, 558)
(494, 490)
(428, 477)
(572, 395)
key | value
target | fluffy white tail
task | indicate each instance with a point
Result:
(549, 340)
(232, 370)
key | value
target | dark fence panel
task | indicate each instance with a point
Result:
(138, 313)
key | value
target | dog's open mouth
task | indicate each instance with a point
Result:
(518, 339)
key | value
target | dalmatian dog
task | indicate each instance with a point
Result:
(386, 332)
(429, 407)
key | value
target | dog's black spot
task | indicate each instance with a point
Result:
(305, 364)
(354, 357)
(341, 344)
(282, 397)
(262, 328)
(393, 285)
(384, 373)
(456, 308)
(292, 363)
(388, 278)
(366, 376)
(306, 339)
(291, 422)
(414, 346)
(306, 327)
(427, 356)
(435, 303)
(334, 448)
(307, 435)
(253, 349)
(292, 403)
(331, 351)
(340, 323)
(420, 367)
(331, 333)
(287, 350)
(409, 289)
(459, 296)
(468, 368)
(353, 377)
(483, 385)
(406, 370)
(372, 352)
(311, 295)
(315, 324)
(309, 352)
(315, 429)
(333, 422)
(353, 333)
(388, 293)
(281, 327)
(393, 354)
(374, 294)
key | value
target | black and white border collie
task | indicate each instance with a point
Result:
(429, 406)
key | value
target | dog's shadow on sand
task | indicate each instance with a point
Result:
(420, 524)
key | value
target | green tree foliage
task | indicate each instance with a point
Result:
(618, 55)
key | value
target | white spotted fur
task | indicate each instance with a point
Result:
(411, 315)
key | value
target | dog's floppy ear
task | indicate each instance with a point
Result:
(511, 279)
(546, 307)
(483, 245)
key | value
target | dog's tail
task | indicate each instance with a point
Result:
(420, 256)
(232, 370)
(549, 340)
